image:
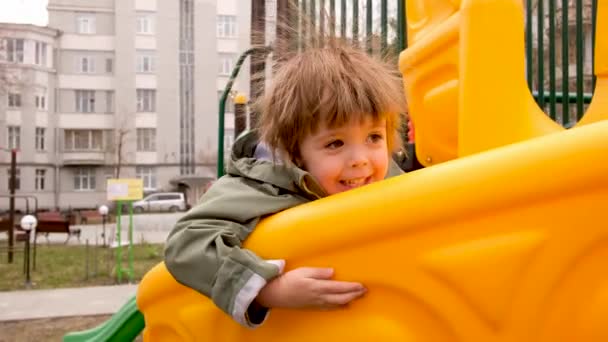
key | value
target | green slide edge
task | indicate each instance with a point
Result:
(125, 325)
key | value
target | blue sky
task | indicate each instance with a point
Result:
(24, 11)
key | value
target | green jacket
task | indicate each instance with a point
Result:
(204, 250)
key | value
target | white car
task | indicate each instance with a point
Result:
(162, 201)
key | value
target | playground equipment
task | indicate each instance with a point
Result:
(503, 239)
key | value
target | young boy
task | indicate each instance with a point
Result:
(329, 123)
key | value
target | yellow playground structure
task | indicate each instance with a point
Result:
(502, 237)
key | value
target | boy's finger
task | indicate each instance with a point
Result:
(317, 272)
(342, 298)
(334, 286)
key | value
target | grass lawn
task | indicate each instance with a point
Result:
(59, 266)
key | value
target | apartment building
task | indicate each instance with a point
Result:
(130, 92)
(27, 124)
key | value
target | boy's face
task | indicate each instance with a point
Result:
(346, 157)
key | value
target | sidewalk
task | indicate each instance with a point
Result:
(32, 304)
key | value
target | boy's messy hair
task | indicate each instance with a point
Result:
(330, 85)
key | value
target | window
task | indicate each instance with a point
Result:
(40, 179)
(40, 138)
(14, 100)
(40, 101)
(146, 139)
(85, 64)
(85, 101)
(226, 26)
(83, 140)
(147, 175)
(146, 100)
(145, 61)
(17, 178)
(40, 58)
(109, 101)
(226, 64)
(14, 50)
(14, 137)
(109, 65)
(84, 179)
(85, 24)
(144, 24)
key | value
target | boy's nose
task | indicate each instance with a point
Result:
(358, 157)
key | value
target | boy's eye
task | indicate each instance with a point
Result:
(334, 144)
(375, 137)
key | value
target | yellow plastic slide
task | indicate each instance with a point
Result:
(504, 238)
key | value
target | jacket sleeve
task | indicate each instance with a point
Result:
(204, 250)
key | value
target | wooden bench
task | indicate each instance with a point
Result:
(56, 226)
(90, 216)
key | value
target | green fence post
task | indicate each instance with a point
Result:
(552, 90)
(529, 59)
(565, 64)
(131, 271)
(540, 16)
(332, 18)
(384, 26)
(401, 31)
(343, 19)
(304, 24)
(356, 22)
(313, 22)
(580, 45)
(368, 27)
(321, 22)
(118, 241)
(593, 34)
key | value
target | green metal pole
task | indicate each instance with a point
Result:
(313, 23)
(401, 23)
(368, 27)
(552, 90)
(383, 26)
(580, 45)
(565, 63)
(541, 56)
(304, 27)
(529, 62)
(332, 18)
(118, 240)
(222, 110)
(131, 271)
(356, 22)
(593, 33)
(343, 18)
(321, 22)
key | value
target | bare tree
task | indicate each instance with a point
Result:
(116, 147)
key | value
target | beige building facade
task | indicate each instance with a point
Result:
(130, 90)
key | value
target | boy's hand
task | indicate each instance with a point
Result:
(308, 287)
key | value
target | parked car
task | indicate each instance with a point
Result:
(162, 201)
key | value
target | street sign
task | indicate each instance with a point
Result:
(125, 189)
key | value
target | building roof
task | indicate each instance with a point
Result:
(45, 30)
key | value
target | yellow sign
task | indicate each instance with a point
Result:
(125, 189)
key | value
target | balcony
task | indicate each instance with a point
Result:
(84, 158)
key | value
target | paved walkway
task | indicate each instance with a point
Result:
(32, 304)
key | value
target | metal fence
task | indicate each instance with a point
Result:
(560, 39)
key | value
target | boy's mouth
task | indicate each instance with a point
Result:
(356, 182)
